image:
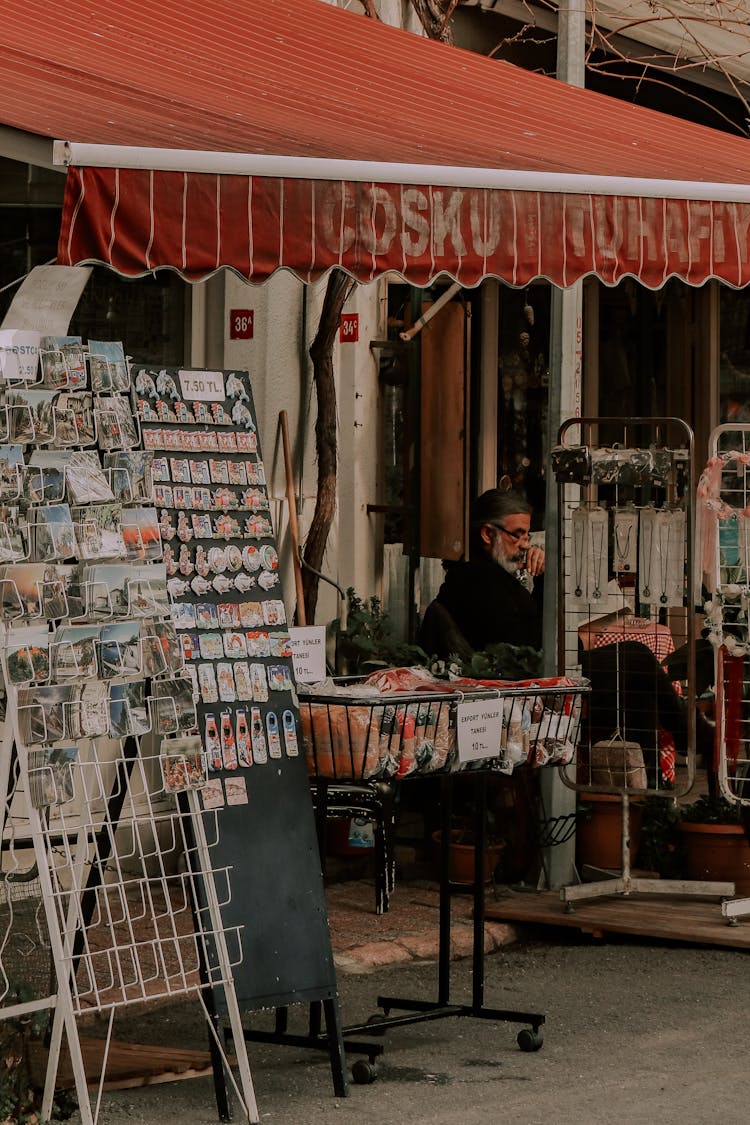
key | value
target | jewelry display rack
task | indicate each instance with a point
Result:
(722, 578)
(625, 598)
(97, 739)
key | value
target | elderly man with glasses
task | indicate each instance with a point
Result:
(492, 596)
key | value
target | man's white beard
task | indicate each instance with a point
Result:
(499, 556)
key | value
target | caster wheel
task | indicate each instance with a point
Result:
(364, 1073)
(529, 1040)
(375, 1023)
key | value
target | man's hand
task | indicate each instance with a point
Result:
(535, 561)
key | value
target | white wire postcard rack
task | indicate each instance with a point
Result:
(723, 580)
(108, 881)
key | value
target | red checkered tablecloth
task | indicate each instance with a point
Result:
(656, 637)
(659, 639)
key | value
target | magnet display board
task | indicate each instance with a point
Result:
(222, 575)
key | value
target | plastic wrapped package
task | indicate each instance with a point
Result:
(341, 740)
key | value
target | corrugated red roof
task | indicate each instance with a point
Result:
(300, 77)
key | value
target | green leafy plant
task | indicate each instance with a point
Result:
(710, 809)
(660, 847)
(369, 641)
(496, 662)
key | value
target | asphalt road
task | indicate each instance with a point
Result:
(635, 1033)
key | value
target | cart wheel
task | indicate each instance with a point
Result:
(364, 1073)
(529, 1040)
(374, 1021)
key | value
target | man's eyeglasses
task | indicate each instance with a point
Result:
(517, 535)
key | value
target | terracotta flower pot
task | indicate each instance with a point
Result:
(717, 852)
(599, 831)
(461, 865)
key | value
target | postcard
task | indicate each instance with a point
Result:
(130, 471)
(51, 776)
(89, 711)
(183, 764)
(31, 415)
(140, 531)
(128, 711)
(99, 532)
(20, 591)
(108, 367)
(54, 533)
(11, 469)
(173, 705)
(74, 419)
(161, 648)
(115, 426)
(74, 652)
(14, 534)
(28, 654)
(62, 361)
(120, 650)
(42, 713)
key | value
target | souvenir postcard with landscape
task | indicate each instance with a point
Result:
(130, 474)
(99, 531)
(88, 713)
(28, 654)
(85, 480)
(128, 710)
(62, 361)
(120, 650)
(147, 590)
(115, 427)
(162, 651)
(11, 462)
(173, 705)
(21, 590)
(74, 419)
(51, 776)
(54, 533)
(108, 366)
(61, 591)
(44, 713)
(32, 415)
(74, 652)
(105, 590)
(140, 531)
(14, 534)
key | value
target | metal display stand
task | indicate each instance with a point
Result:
(722, 577)
(406, 737)
(626, 488)
(93, 751)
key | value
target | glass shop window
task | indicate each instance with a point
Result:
(523, 370)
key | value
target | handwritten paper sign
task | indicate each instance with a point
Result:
(479, 725)
(19, 354)
(202, 386)
(308, 643)
(47, 299)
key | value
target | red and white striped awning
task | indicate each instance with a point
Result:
(472, 167)
(140, 220)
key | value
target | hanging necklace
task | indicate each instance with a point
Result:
(579, 534)
(597, 543)
(622, 550)
(648, 532)
(664, 556)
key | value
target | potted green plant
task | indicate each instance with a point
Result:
(368, 641)
(714, 842)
